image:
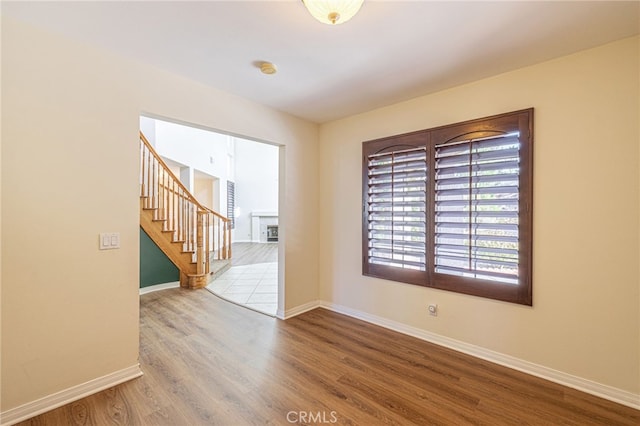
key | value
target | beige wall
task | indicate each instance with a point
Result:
(585, 317)
(70, 171)
(70, 114)
(203, 191)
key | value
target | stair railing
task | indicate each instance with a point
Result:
(203, 232)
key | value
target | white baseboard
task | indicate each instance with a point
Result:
(290, 313)
(607, 392)
(157, 287)
(58, 399)
(255, 241)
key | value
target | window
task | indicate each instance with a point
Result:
(450, 207)
(231, 203)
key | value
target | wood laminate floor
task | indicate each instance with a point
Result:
(209, 362)
(252, 253)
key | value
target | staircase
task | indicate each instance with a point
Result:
(195, 238)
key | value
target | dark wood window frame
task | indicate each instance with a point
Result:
(424, 239)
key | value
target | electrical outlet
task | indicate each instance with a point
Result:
(433, 310)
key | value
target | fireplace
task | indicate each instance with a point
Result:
(272, 233)
(264, 227)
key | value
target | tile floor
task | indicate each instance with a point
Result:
(254, 286)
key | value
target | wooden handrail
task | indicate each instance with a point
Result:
(168, 170)
(200, 206)
(216, 214)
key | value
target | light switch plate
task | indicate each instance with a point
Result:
(109, 240)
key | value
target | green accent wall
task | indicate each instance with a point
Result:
(155, 266)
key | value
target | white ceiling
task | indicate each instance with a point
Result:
(391, 51)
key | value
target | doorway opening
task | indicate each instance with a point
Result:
(239, 179)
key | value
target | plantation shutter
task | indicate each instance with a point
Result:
(477, 208)
(396, 208)
(231, 203)
(451, 207)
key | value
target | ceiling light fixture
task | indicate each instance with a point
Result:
(268, 68)
(333, 12)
